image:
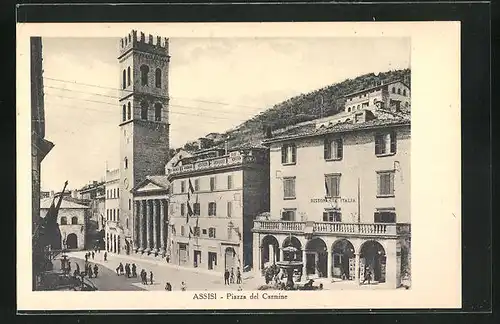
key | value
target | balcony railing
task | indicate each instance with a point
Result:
(213, 163)
(332, 228)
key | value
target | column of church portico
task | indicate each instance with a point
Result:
(155, 205)
(148, 226)
(136, 223)
(141, 226)
(162, 226)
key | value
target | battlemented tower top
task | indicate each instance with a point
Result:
(150, 44)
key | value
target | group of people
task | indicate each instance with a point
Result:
(229, 276)
(90, 271)
(92, 254)
(130, 270)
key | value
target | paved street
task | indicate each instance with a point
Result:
(162, 272)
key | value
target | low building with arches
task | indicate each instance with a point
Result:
(72, 219)
(340, 199)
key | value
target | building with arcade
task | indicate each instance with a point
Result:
(340, 196)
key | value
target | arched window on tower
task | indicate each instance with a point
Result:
(158, 107)
(129, 111)
(74, 220)
(144, 110)
(124, 114)
(64, 221)
(128, 76)
(399, 91)
(158, 78)
(124, 78)
(144, 75)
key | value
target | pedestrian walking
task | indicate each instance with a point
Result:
(232, 276)
(226, 277)
(69, 267)
(151, 277)
(134, 270)
(90, 271)
(238, 276)
(117, 270)
(127, 270)
(86, 257)
(183, 286)
(96, 270)
(77, 267)
(106, 256)
(168, 287)
(92, 255)
(368, 275)
(120, 269)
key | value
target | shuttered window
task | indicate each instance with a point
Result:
(332, 216)
(288, 154)
(385, 184)
(212, 209)
(289, 188)
(384, 217)
(196, 209)
(333, 149)
(385, 143)
(211, 232)
(183, 209)
(213, 183)
(332, 185)
(229, 209)
(288, 215)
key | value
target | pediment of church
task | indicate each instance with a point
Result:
(149, 187)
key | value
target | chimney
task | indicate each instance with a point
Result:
(51, 195)
(74, 194)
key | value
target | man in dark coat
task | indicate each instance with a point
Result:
(226, 277)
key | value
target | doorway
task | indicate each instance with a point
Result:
(72, 241)
(212, 260)
(196, 258)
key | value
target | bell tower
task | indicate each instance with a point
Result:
(144, 123)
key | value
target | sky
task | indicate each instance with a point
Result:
(215, 84)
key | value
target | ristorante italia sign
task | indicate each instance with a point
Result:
(333, 200)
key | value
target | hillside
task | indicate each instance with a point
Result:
(306, 107)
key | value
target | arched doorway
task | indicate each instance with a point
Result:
(289, 255)
(343, 260)
(270, 250)
(72, 241)
(372, 257)
(316, 258)
(230, 259)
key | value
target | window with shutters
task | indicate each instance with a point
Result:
(385, 184)
(385, 144)
(229, 209)
(288, 154)
(183, 209)
(196, 209)
(183, 186)
(384, 216)
(332, 215)
(212, 209)
(288, 215)
(332, 185)
(213, 183)
(196, 231)
(229, 182)
(333, 149)
(211, 232)
(289, 188)
(183, 232)
(196, 184)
